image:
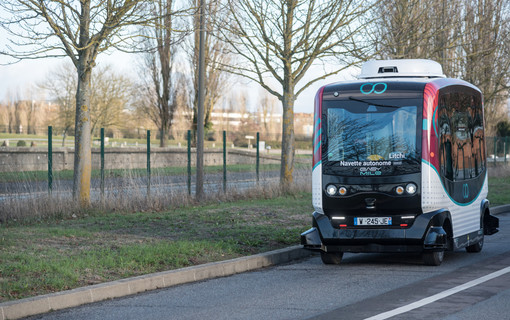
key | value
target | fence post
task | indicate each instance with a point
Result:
(102, 164)
(504, 148)
(258, 158)
(224, 161)
(495, 149)
(148, 163)
(189, 162)
(50, 160)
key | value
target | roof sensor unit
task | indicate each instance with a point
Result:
(388, 69)
(403, 68)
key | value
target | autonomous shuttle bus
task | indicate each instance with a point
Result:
(399, 164)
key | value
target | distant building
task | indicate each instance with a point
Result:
(303, 124)
(270, 123)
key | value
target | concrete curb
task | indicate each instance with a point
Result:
(500, 209)
(72, 298)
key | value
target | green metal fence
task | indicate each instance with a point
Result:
(261, 150)
(498, 149)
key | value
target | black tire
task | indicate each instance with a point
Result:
(331, 257)
(477, 247)
(433, 258)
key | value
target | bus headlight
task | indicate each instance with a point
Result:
(331, 190)
(399, 190)
(411, 188)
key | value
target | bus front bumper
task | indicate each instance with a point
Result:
(426, 233)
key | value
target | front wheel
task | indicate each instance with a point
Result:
(331, 257)
(433, 258)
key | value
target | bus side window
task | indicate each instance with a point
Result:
(445, 147)
(478, 136)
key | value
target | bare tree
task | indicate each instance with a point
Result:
(216, 55)
(278, 42)
(468, 38)
(486, 55)
(183, 115)
(15, 110)
(31, 108)
(419, 29)
(267, 109)
(61, 86)
(110, 94)
(244, 124)
(79, 30)
(11, 110)
(3, 116)
(159, 100)
(401, 23)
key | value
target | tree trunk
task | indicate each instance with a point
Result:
(82, 142)
(162, 138)
(64, 136)
(287, 159)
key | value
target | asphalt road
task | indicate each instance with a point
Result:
(363, 286)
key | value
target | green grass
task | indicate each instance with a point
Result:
(57, 255)
(499, 191)
(4, 136)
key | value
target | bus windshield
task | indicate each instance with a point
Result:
(363, 134)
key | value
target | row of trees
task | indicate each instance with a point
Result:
(469, 38)
(271, 42)
(119, 110)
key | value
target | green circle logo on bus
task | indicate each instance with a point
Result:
(377, 88)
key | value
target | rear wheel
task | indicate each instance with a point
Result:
(433, 258)
(477, 247)
(331, 257)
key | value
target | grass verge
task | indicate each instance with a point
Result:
(499, 191)
(58, 254)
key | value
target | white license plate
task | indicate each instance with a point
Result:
(385, 221)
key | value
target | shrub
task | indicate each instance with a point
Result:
(21, 143)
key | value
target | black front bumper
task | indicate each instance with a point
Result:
(425, 233)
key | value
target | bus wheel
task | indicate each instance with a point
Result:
(331, 257)
(433, 258)
(477, 247)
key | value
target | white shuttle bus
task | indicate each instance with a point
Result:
(399, 164)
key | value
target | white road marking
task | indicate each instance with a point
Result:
(438, 296)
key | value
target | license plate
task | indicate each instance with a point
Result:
(384, 221)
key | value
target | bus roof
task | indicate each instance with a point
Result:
(402, 68)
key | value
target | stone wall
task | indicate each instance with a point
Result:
(35, 159)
